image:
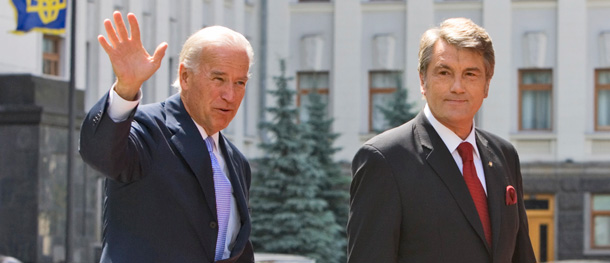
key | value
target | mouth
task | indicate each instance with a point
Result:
(224, 110)
(455, 100)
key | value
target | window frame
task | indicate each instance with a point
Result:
(382, 90)
(535, 87)
(53, 57)
(598, 88)
(593, 214)
(321, 90)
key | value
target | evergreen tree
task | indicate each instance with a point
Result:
(398, 110)
(288, 215)
(335, 185)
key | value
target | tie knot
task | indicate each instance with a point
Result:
(209, 142)
(465, 151)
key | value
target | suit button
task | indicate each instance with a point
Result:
(213, 224)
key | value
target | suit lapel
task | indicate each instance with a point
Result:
(441, 161)
(236, 180)
(238, 191)
(496, 184)
(191, 146)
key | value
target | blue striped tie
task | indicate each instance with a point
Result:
(222, 186)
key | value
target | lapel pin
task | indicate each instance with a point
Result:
(491, 164)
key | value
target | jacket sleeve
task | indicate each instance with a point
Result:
(375, 210)
(108, 146)
(524, 252)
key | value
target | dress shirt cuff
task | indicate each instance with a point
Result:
(119, 108)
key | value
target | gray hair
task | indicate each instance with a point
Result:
(193, 48)
(461, 33)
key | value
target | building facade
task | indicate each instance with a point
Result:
(550, 95)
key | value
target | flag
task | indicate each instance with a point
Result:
(48, 16)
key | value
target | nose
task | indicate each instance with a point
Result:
(457, 86)
(228, 92)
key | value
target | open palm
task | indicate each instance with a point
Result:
(130, 61)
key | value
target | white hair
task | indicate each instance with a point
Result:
(219, 36)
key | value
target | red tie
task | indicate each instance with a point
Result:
(474, 186)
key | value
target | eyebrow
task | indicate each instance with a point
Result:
(473, 69)
(215, 73)
(443, 66)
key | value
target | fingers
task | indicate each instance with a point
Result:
(110, 32)
(104, 44)
(120, 26)
(134, 26)
(159, 53)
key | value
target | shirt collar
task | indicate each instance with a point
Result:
(204, 135)
(451, 140)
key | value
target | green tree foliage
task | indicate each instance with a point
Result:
(335, 185)
(398, 110)
(288, 215)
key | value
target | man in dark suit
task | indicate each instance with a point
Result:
(436, 189)
(177, 189)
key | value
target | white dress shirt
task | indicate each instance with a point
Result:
(452, 141)
(119, 109)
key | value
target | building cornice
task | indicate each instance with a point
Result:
(315, 7)
(541, 4)
(468, 5)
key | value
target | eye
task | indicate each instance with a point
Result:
(471, 74)
(241, 83)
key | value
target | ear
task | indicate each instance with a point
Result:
(422, 84)
(486, 91)
(184, 77)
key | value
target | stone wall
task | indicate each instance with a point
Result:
(33, 173)
(571, 184)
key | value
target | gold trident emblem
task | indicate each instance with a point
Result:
(47, 10)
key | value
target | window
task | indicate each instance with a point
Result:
(382, 86)
(602, 100)
(535, 103)
(600, 221)
(307, 82)
(50, 55)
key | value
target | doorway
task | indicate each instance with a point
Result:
(540, 214)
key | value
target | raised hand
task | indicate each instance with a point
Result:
(130, 61)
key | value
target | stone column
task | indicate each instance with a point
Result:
(570, 80)
(346, 76)
(499, 110)
(420, 17)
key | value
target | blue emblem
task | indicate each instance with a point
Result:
(48, 16)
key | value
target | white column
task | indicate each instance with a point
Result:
(239, 120)
(278, 32)
(239, 14)
(219, 11)
(105, 75)
(81, 44)
(253, 92)
(420, 17)
(346, 83)
(569, 98)
(135, 7)
(161, 77)
(197, 14)
(499, 110)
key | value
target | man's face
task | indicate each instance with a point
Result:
(455, 85)
(212, 94)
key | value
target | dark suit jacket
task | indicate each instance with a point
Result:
(160, 203)
(409, 201)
